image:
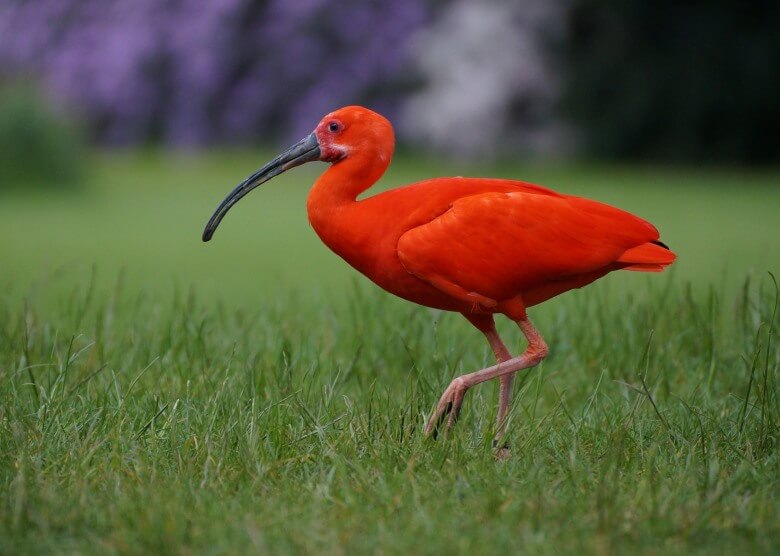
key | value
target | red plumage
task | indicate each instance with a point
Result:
(472, 245)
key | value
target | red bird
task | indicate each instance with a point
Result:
(477, 246)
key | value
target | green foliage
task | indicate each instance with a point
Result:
(39, 147)
(675, 80)
(130, 426)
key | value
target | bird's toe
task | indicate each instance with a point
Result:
(448, 407)
(501, 451)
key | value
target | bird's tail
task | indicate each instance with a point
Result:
(653, 256)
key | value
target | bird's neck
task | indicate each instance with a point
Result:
(340, 185)
(332, 202)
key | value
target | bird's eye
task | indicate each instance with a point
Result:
(334, 127)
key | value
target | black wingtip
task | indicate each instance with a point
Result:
(660, 243)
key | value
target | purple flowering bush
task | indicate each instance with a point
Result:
(204, 71)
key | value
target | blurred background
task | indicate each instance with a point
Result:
(124, 122)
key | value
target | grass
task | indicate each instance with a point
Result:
(206, 401)
(173, 428)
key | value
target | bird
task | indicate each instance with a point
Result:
(476, 246)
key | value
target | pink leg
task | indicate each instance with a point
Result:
(505, 391)
(452, 399)
(487, 326)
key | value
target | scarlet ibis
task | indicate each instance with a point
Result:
(477, 246)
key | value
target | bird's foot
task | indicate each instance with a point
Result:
(501, 452)
(448, 407)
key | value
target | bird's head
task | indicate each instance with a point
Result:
(352, 133)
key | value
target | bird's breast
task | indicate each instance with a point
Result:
(364, 239)
(367, 240)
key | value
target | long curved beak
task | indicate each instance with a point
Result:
(303, 151)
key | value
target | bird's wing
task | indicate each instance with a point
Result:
(493, 246)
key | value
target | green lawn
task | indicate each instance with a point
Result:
(142, 215)
(159, 395)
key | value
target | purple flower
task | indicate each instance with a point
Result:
(203, 71)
